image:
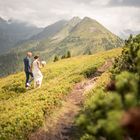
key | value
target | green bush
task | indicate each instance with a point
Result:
(89, 71)
(127, 83)
(130, 58)
(103, 109)
(100, 117)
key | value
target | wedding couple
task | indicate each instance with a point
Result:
(32, 70)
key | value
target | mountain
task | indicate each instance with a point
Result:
(13, 31)
(126, 33)
(62, 34)
(2, 20)
(80, 36)
(87, 35)
(50, 30)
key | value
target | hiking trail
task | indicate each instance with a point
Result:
(60, 125)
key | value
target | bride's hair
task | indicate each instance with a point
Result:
(36, 57)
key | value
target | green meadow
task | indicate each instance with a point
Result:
(23, 111)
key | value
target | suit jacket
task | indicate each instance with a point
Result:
(27, 64)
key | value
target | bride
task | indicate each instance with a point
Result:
(36, 72)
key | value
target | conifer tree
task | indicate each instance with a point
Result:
(55, 58)
(68, 54)
(89, 52)
(63, 57)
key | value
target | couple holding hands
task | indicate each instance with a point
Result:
(32, 70)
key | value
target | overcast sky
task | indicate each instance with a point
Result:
(116, 15)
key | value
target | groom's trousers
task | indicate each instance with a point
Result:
(28, 80)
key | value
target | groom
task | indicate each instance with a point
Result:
(28, 69)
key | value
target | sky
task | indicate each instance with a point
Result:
(119, 16)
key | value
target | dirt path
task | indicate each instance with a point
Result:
(60, 125)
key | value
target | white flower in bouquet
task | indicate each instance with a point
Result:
(43, 63)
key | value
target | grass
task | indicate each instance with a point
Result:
(23, 111)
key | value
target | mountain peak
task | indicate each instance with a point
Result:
(2, 20)
(75, 20)
(88, 19)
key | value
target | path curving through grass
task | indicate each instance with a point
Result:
(60, 125)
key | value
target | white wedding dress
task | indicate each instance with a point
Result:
(37, 74)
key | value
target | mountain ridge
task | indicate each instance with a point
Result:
(66, 30)
(47, 31)
(89, 31)
(79, 36)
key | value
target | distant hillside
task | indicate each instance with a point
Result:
(80, 36)
(12, 32)
(87, 35)
(126, 33)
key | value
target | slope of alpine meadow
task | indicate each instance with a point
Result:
(79, 36)
(23, 111)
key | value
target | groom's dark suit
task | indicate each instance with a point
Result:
(27, 69)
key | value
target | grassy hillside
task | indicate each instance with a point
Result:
(23, 111)
(89, 35)
(80, 36)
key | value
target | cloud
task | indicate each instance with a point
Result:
(110, 13)
(130, 3)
